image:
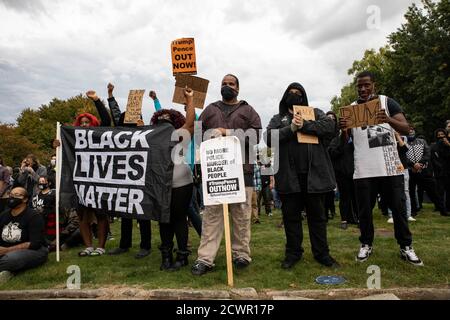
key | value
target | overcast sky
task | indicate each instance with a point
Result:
(62, 48)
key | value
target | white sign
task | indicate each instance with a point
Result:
(222, 172)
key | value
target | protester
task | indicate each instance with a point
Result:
(126, 224)
(229, 113)
(5, 179)
(421, 172)
(257, 185)
(22, 244)
(304, 177)
(341, 152)
(44, 203)
(182, 187)
(30, 171)
(51, 172)
(89, 216)
(374, 171)
(264, 194)
(330, 208)
(440, 158)
(447, 125)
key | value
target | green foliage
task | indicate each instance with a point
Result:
(414, 67)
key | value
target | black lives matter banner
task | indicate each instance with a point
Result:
(120, 171)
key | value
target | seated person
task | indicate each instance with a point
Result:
(22, 243)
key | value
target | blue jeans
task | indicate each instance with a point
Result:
(21, 260)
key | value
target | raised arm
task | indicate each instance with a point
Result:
(105, 118)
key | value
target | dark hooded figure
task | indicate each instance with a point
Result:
(440, 158)
(305, 175)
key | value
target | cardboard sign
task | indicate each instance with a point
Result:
(183, 56)
(307, 113)
(361, 115)
(134, 106)
(198, 85)
(222, 171)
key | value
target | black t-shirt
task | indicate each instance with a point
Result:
(26, 227)
(44, 203)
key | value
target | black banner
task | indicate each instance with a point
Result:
(119, 171)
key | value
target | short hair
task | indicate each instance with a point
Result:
(232, 75)
(365, 74)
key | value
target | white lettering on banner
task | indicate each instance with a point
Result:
(84, 139)
(111, 168)
(116, 201)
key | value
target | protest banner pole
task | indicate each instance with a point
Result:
(228, 244)
(58, 184)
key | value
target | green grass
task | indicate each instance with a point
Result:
(431, 235)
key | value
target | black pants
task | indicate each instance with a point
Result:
(178, 226)
(329, 203)
(428, 184)
(265, 196)
(393, 192)
(443, 189)
(126, 229)
(291, 207)
(348, 207)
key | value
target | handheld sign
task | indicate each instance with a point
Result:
(223, 182)
(198, 85)
(361, 115)
(134, 106)
(307, 113)
(183, 56)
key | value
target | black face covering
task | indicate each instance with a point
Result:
(294, 100)
(228, 93)
(14, 202)
(43, 186)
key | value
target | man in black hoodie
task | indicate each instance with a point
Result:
(304, 177)
(440, 158)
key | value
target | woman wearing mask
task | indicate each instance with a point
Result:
(30, 171)
(44, 204)
(304, 177)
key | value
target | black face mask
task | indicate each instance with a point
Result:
(14, 202)
(294, 100)
(228, 93)
(43, 186)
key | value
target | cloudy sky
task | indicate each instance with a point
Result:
(58, 48)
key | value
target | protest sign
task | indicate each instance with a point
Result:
(120, 172)
(198, 85)
(183, 56)
(307, 113)
(361, 115)
(223, 182)
(134, 106)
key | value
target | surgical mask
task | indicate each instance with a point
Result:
(294, 100)
(14, 202)
(53, 163)
(228, 93)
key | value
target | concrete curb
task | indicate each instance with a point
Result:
(127, 293)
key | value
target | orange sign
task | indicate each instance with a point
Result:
(183, 56)
(307, 113)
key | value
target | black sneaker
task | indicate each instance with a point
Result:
(117, 251)
(241, 263)
(199, 268)
(410, 256)
(142, 254)
(364, 253)
(289, 263)
(329, 262)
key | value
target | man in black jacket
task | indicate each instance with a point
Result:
(440, 158)
(304, 177)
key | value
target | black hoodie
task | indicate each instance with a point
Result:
(440, 157)
(320, 170)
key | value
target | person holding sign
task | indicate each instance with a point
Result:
(378, 167)
(305, 176)
(218, 117)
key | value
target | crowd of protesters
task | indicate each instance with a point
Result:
(350, 164)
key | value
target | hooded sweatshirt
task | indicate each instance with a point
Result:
(297, 160)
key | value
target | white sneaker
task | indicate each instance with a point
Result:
(364, 253)
(5, 276)
(411, 219)
(410, 256)
(390, 220)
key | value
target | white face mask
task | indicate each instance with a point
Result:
(53, 162)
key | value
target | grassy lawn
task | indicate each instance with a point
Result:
(431, 241)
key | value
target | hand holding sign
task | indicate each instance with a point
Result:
(91, 94)
(298, 121)
(110, 90)
(188, 95)
(382, 117)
